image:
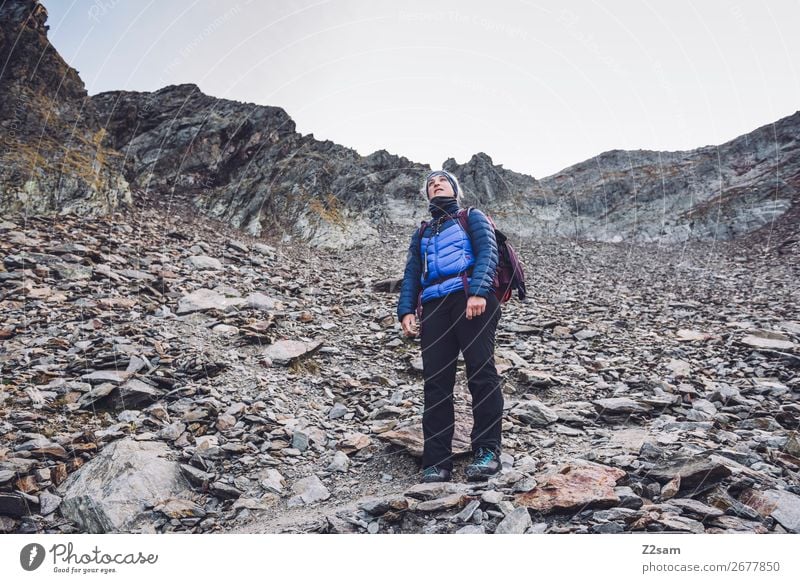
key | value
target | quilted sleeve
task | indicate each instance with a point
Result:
(484, 245)
(409, 291)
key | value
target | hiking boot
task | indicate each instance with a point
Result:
(485, 464)
(434, 474)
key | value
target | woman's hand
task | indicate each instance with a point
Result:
(476, 305)
(410, 325)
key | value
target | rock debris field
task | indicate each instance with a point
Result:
(164, 373)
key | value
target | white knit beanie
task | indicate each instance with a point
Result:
(450, 178)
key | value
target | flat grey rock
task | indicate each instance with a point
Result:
(772, 343)
(204, 262)
(620, 406)
(534, 413)
(284, 352)
(696, 474)
(433, 490)
(203, 300)
(517, 522)
(309, 490)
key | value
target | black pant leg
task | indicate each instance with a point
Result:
(476, 339)
(439, 360)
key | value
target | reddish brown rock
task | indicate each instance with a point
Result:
(27, 484)
(783, 506)
(671, 488)
(58, 473)
(578, 485)
(354, 442)
(42, 447)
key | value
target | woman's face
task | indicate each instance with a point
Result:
(439, 186)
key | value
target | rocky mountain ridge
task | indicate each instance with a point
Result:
(710, 193)
(246, 165)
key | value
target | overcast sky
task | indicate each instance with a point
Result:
(538, 86)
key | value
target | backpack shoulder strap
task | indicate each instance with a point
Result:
(463, 218)
(422, 226)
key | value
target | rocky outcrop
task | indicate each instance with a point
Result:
(55, 156)
(490, 185)
(245, 164)
(116, 491)
(748, 186)
(711, 193)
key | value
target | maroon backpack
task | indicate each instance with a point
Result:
(509, 274)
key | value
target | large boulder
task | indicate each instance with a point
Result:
(113, 492)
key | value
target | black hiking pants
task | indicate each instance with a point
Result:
(445, 331)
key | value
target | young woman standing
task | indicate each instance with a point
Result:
(450, 272)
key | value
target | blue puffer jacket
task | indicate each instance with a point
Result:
(449, 252)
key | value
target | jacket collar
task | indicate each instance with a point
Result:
(442, 205)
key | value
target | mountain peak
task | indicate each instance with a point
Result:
(483, 158)
(487, 183)
(31, 13)
(187, 88)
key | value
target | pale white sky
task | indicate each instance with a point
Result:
(536, 85)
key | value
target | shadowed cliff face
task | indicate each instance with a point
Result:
(55, 156)
(246, 164)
